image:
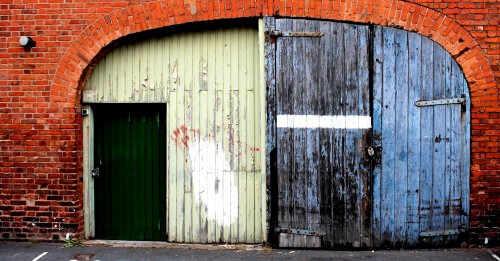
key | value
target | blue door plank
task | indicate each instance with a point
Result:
(338, 182)
(326, 144)
(426, 139)
(439, 163)
(452, 148)
(388, 137)
(311, 102)
(284, 136)
(413, 179)
(378, 61)
(351, 158)
(401, 152)
(460, 167)
(465, 149)
(299, 135)
(364, 137)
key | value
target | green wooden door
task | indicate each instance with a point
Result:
(130, 190)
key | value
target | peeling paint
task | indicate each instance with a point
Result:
(174, 75)
(182, 136)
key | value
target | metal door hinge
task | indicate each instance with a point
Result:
(299, 231)
(448, 232)
(294, 34)
(460, 100)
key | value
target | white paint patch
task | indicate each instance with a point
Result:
(326, 122)
(213, 182)
(40, 256)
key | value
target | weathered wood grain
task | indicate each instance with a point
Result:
(413, 179)
(401, 138)
(319, 170)
(423, 178)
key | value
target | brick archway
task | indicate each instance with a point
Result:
(484, 93)
(437, 26)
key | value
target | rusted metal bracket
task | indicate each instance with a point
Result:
(299, 232)
(448, 232)
(295, 34)
(461, 101)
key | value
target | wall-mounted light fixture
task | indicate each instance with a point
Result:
(26, 42)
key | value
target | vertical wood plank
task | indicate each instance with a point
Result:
(212, 104)
(448, 141)
(388, 137)
(205, 110)
(377, 60)
(243, 118)
(180, 126)
(226, 131)
(196, 108)
(465, 149)
(186, 69)
(439, 140)
(258, 139)
(325, 106)
(311, 144)
(338, 181)
(299, 135)
(143, 70)
(350, 155)
(426, 139)
(271, 59)
(413, 179)
(128, 92)
(401, 139)
(284, 136)
(364, 136)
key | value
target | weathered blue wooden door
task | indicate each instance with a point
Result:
(323, 127)
(421, 123)
(371, 133)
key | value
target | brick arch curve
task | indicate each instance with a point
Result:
(427, 22)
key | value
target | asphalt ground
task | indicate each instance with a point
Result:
(117, 251)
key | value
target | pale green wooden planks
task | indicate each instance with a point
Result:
(209, 81)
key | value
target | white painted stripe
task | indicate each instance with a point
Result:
(326, 122)
(40, 256)
(493, 255)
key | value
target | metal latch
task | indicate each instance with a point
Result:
(448, 232)
(460, 100)
(299, 231)
(374, 153)
(96, 172)
(295, 34)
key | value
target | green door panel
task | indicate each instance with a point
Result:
(130, 190)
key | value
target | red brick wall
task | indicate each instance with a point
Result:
(41, 195)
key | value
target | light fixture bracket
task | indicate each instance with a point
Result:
(26, 42)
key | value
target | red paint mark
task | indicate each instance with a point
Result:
(181, 136)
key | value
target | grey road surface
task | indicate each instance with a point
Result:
(57, 251)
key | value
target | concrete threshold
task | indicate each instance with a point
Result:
(160, 244)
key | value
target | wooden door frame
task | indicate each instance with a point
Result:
(88, 165)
